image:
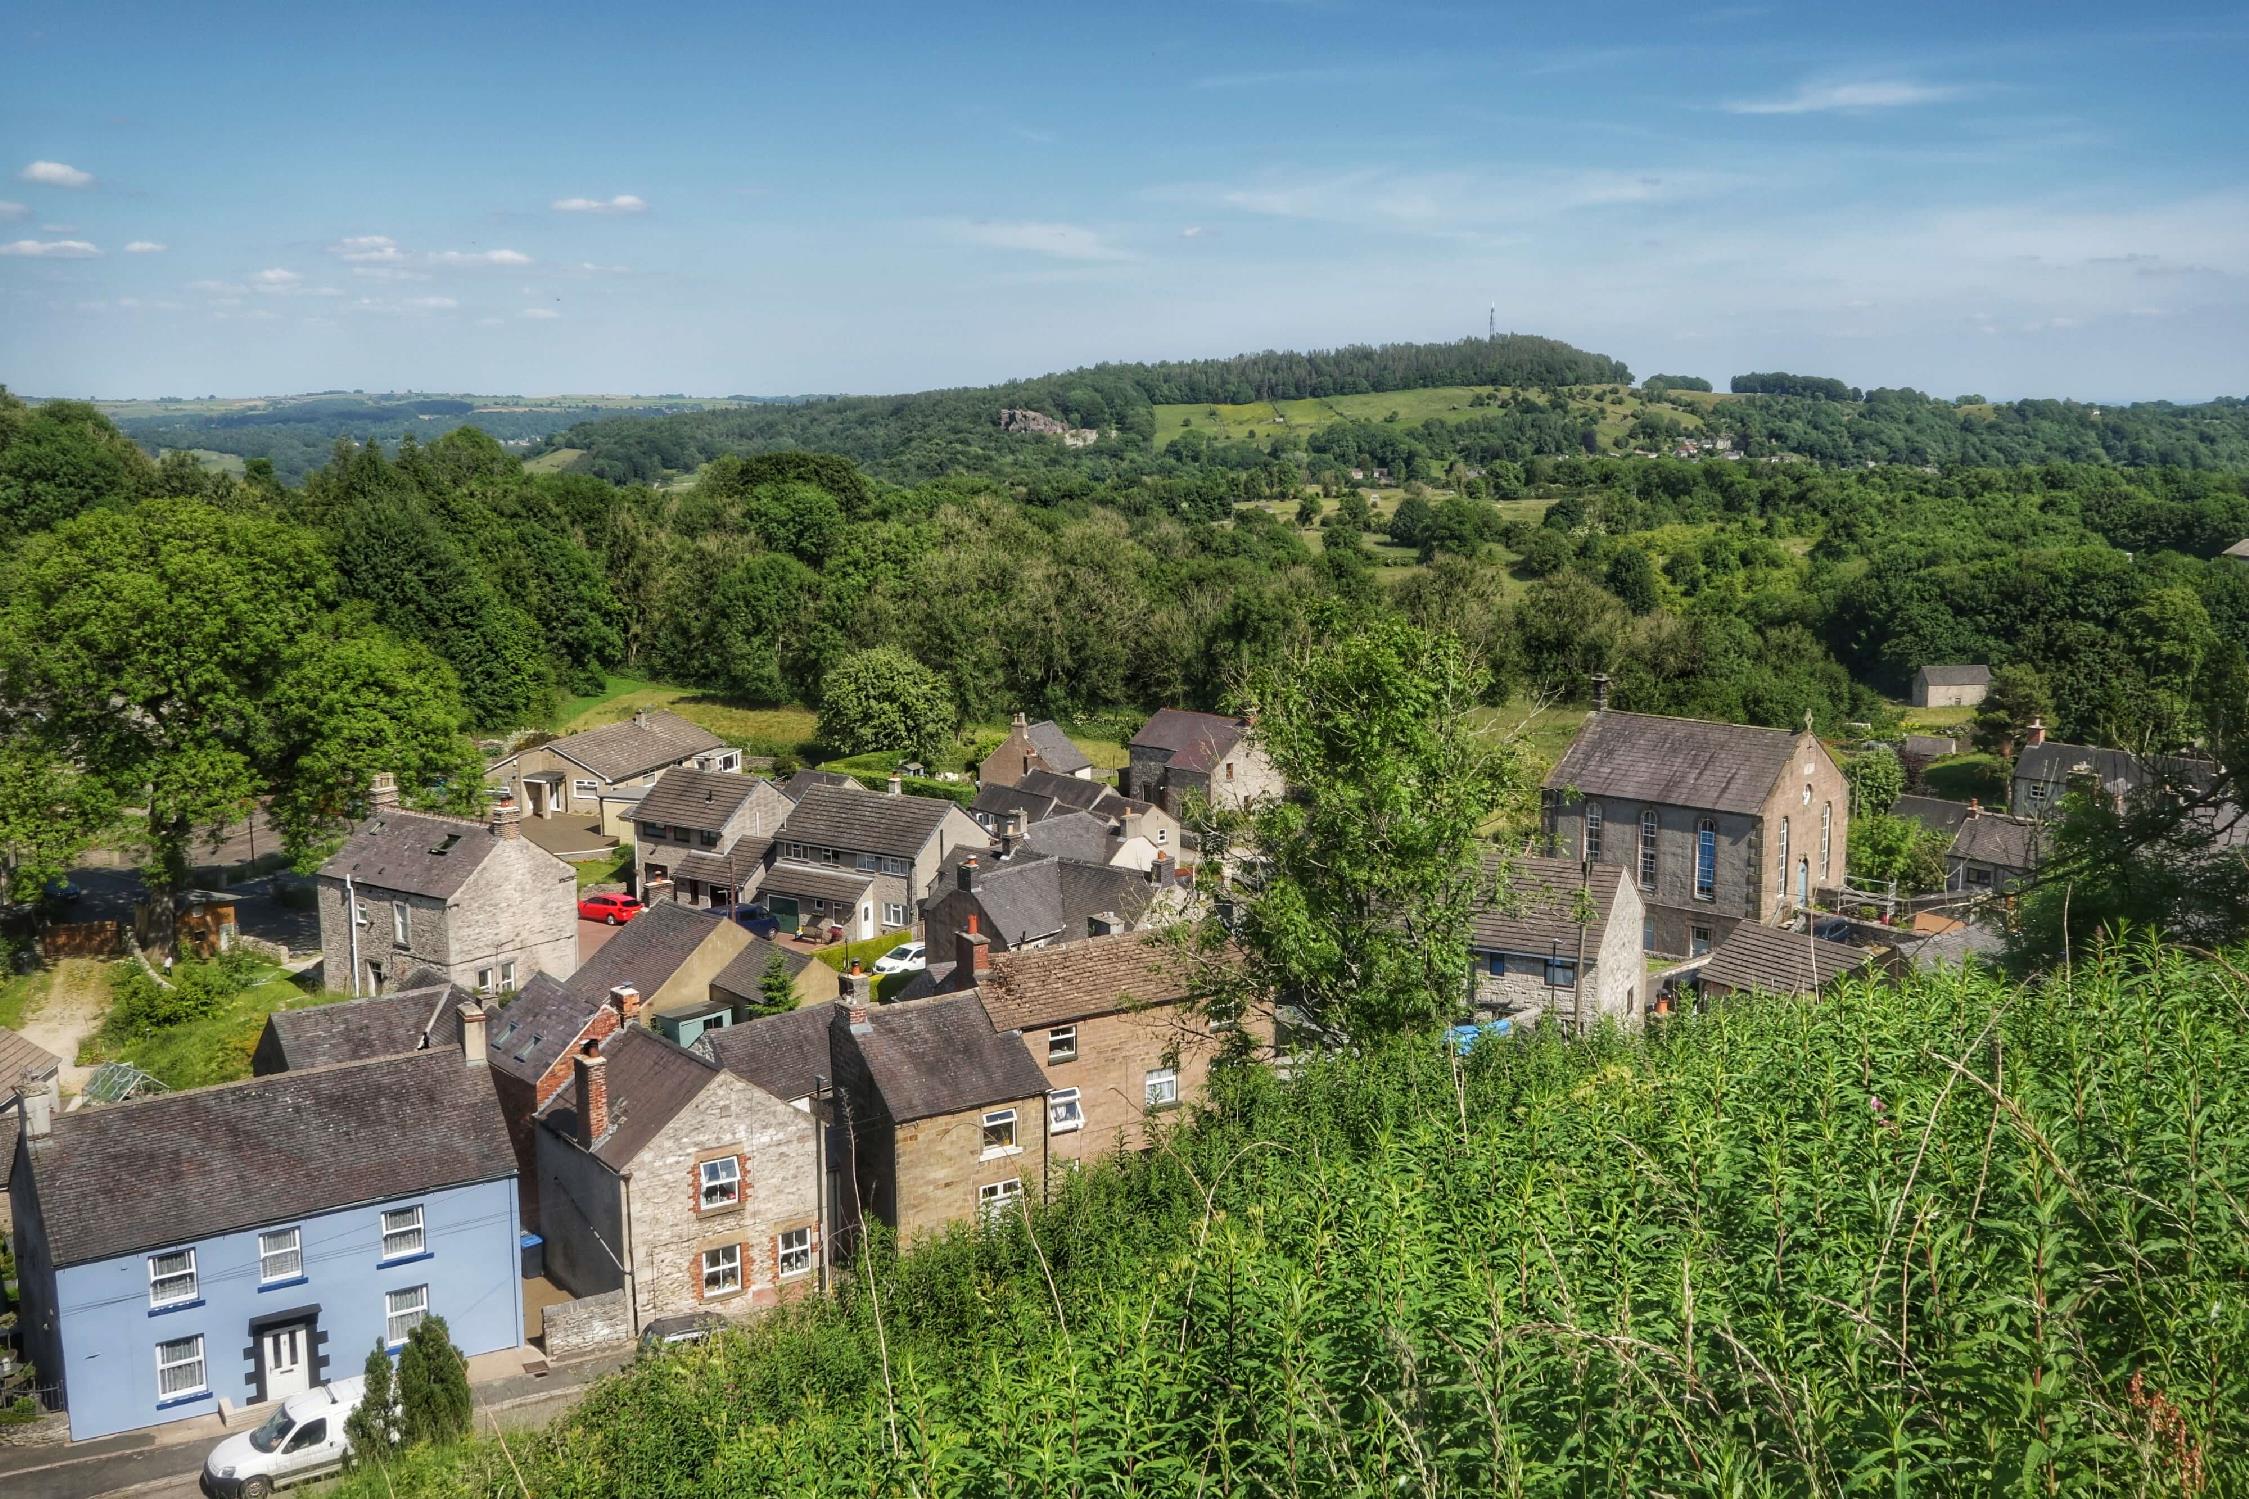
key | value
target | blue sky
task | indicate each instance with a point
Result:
(756, 198)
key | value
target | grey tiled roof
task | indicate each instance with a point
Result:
(742, 973)
(21, 1058)
(797, 785)
(1033, 895)
(1194, 741)
(355, 1029)
(1056, 748)
(2001, 841)
(995, 800)
(700, 799)
(628, 748)
(649, 1080)
(1931, 812)
(1957, 676)
(531, 1032)
(414, 852)
(1083, 836)
(645, 952)
(1536, 909)
(739, 865)
(939, 1056)
(852, 817)
(2119, 772)
(783, 1054)
(1781, 962)
(1928, 746)
(1071, 792)
(1679, 762)
(819, 881)
(178, 1167)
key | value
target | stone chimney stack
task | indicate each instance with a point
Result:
(382, 792)
(640, 718)
(592, 1075)
(472, 1034)
(1159, 873)
(972, 954)
(507, 822)
(37, 1100)
(2035, 735)
(627, 1000)
(968, 873)
(897, 784)
(1600, 691)
(858, 990)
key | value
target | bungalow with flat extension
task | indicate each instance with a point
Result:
(601, 774)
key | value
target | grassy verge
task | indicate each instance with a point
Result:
(213, 1048)
(20, 995)
(609, 869)
(762, 731)
(1959, 777)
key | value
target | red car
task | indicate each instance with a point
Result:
(610, 907)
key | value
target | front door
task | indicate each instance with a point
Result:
(282, 1350)
(1804, 883)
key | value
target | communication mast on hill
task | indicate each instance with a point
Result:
(1491, 322)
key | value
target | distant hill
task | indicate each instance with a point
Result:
(937, 432)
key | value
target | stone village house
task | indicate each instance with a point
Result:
(1029, 747)
(600, 774)
(477, 903)
(1179, 756)
(861, 860)
(1715, 824)
(702, 836)
(1534, 956)
(1951, 686)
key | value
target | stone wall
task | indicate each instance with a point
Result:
(587, 1325)
(941, 1164)
(1115, 1054)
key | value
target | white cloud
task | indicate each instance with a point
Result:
(1816, 98)
(51, 249)
(146, 247)
(622, 203)
(434, 304)
(1061, 241)
(12, 210)
(480, 257)
(388, 273)
(274, 278)
(1192, 231)
(367, 249)
(541, 314)
(56, 174)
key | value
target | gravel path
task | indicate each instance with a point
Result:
(76, 999)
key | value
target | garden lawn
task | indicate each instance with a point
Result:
(214, 1049)
(762, 731)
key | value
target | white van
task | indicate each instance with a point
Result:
(303, 1438)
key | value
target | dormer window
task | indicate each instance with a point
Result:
(446, 844)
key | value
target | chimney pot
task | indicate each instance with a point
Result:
(382, 792)
(2035, 735)
(858, 988)
(972, 955)
(590, 1068)
(897, 784)
(627, 1000)
(640, 718)
(472, 1034)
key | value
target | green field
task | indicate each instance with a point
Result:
(224, 463)
(554, 462)
(1261, 421)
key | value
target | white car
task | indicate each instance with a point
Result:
(906, 957)
(303, 1438)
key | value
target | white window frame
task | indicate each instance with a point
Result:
(893, 913)
(1651, 828)
(1065, 1111)
(169, 1358)
(397, 1305)
(507, 974)
(484, 981)
(995, 1200)
(589, 789)
(359, 915)
(1827, 836)
(1784, 860)
(719, 1264)
(401, 927)
(1062, 1044)
(1160, 1087)
(409, 1225)
(1593, 827)
(792, 1253)
(722, 1175)
(869, 863)
(994, 1121)
(165, 1287)
(1163, 836)
(293, 1252)
(898, 867)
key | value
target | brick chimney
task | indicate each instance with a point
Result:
(2035, 735)
(972, 954)
(472, 1034)
(627, 1000)
(858, 989)
(968, 873)
(1159, 873)
(1600, 691)
(382, 792)
(591, 1070)
(507, 822)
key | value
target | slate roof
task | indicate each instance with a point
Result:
(740, 864)
(1033, 894)
(1679, 762)
(819, 881)
(414, 852)
(2119, 772)
(1193, 741)
(354, 1030)
(1082, 836)
(1956, 676)
(1056, 748)
(741, 974)
(1536, 914)
(1026, 991)
(531, 1032)
(994, 800)
(700, 799)
(797, 785)
(852, 817)
(1932, 812)
(1928, 746)
(1774, 961)
(618, 751)
(782, 1054)
(2004, 842)
(939, 1056)
(21, 1058)
(1067, 791)
(178, 1167)
(649, 1080)
(646, 951)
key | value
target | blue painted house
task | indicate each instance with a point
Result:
(244, 1242)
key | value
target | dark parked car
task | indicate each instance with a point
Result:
(757, 918)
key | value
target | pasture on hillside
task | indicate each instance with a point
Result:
(1262, 421)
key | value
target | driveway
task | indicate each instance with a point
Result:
(592, 936)
(77, 998)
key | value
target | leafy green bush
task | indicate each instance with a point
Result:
(1956, 1237)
